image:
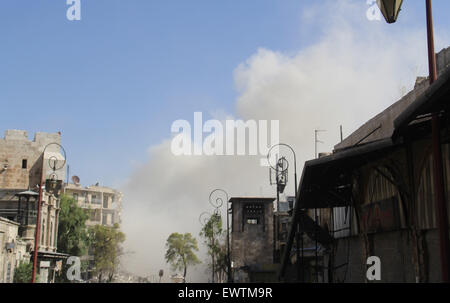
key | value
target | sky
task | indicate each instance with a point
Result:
(115, 81)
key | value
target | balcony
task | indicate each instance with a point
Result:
(96, 201)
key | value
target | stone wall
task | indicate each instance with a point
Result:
(21, 159)
(12, 250)
(252, 245)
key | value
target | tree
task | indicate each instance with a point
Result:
(213, 234)
(106, 248)
(221, 267)
(72, 232)
(23, 273)
(180, 252)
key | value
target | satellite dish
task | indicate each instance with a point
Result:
(76, 180)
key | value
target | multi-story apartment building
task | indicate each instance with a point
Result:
(103, 204)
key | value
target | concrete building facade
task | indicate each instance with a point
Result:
(103, 204)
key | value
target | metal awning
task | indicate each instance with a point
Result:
(51, 255)
(27, 193)
(324, 182)
(434, 99)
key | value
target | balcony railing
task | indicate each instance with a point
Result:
(96, 201)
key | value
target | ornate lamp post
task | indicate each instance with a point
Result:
(217, 202)
(299, 238)
(295, 162)
(390, 10)
(52, 185)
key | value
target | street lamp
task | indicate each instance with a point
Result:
(441, 208)
(299, 238)
(53, 186)
(390, 9)
(25, 196)
(217, 203)
(295, 163)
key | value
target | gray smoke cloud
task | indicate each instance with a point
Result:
(354, 70)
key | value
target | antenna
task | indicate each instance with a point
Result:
(316, 131)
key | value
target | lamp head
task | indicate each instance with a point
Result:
(390, 9)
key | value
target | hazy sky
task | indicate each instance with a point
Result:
(114, 82)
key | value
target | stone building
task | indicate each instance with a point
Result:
(12, 250)
(252, 239)
(375, 194)
(22, 162)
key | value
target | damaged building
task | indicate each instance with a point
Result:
(375, 195)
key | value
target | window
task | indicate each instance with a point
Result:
(24, 163)
(42, 233)
(75, 196)
(49, 233)
(105, 202)
(8, 273)
(252, 221)
(94, 200)
(93, 215)
(254, 214)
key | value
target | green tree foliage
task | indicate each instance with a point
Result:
(212, 233)
(23, 273)
(221, 266)
(72, 232)
(106, 249)
(180, 251)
